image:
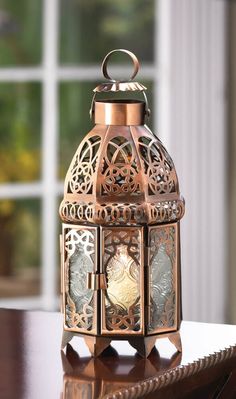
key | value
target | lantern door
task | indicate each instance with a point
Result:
(79, 258)
(164, 279)
(122, 264)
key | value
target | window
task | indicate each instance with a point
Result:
(51, 53)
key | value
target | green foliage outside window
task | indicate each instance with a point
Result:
(20, 32)
(88, 29)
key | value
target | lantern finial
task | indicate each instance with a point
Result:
(133, 58)
(115, 85)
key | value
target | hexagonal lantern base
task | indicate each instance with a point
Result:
(143, 345)
(121, 283)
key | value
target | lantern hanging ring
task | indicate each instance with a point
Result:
(133, 58)
(114, 85)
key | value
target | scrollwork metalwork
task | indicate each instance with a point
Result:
(119, 169)
(83, 168)
(158, 166)
(121, 175)
(122, 213)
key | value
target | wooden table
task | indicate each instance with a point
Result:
(32, 365)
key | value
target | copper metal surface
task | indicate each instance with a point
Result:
(142, 344)
(119, 112)
(122, 175)
(115, 85)
(121, 244)
(119, 86)
(96, 281)
(97, 345)
(129, 53)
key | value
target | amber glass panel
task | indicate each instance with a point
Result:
(122, 301)
(162, 277)
(75, 123)
(19, 247)
(20, 116)
(20, 32)
(80, 259)
(89, 29)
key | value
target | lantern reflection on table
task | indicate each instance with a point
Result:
(86, 377)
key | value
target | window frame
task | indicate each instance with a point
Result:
(50, 74)
(177, 119)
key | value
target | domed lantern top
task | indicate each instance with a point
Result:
(121, 173)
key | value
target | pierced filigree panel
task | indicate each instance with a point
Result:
(158, 167)
(79, 245)
(122, 213)
(166, 211)
(163, 270)
(119, 168)
(84, 165)
(122, 304)
(77, 212)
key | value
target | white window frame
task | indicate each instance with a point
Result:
(175, 40)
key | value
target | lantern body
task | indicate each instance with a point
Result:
(120, 242)
(140, 292)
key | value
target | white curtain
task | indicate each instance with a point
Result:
(193, 88)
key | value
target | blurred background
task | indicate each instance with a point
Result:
(50, 56)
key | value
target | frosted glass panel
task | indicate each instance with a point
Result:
(162, 277)
(79, 265)
(79, 260)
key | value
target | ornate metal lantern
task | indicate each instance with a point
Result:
(120, 243)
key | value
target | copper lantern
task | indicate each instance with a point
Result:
(120, 242)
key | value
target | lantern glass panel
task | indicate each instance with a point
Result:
(162, 277)
(122, 263)
(80, 259)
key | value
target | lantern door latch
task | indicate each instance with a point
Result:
(96, 281)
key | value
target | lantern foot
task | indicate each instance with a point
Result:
(143, 345)
(176, 341)
(66, 337)
(97, 345)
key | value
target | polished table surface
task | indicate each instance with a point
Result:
(32, 365)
